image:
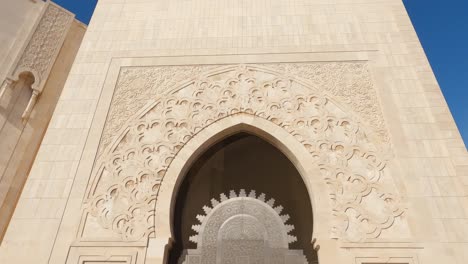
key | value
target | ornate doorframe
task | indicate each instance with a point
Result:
(155, 246)
(217, 131)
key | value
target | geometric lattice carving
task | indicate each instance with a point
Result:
(40, 52)
(242, 226)
(346, 151)
(136, 87)
(349, 82)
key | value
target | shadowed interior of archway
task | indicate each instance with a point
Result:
(242, 161)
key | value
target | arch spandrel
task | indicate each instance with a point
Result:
(345, 151)
(216, 132)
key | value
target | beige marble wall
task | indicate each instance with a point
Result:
(18, 19)
(429, 158)
(20, 140)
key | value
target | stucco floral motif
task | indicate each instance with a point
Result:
(125, 188)
(40, 53)
(347, 81)
(136, 86)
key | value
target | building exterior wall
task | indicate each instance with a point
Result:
(18, 19)
(21, 137)
(426, 160)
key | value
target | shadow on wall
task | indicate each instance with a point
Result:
(242, 161)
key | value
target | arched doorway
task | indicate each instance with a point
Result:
(235, 167)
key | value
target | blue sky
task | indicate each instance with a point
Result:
(442, 27)
(83, 9)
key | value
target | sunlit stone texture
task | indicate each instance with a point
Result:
(38, 45)
(246, 131)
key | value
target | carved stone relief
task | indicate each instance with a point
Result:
(347, 151)
(41, 51)
(348, 82)
(243, 228)
(136, 86)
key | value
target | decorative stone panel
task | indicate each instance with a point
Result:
(106, 255)
(41, 51)
(386, 260)
(348, 82)
(346, 149)
(242, 227)
(45, 43)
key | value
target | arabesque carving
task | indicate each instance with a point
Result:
(136, 86)
(349, 82)
(130, 171)
(242, 227)
(41, 51)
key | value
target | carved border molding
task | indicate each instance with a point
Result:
(96, 254)
(348, 152)
(387, 260)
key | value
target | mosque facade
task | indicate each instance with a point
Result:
(227, 131)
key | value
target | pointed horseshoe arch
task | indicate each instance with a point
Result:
(329, 145)
(283, 141)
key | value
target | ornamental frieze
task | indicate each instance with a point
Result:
(346, 150)
(348, 82)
